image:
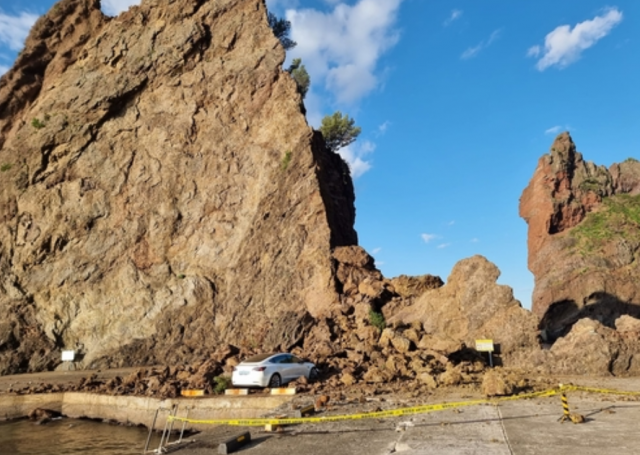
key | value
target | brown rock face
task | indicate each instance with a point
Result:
(161, 191)
(583, 238)
(591, 348)
(472, 306)
(414, 286)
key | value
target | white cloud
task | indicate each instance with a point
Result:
(451, 223)
(553, 130)
(383, 127)
(475, 50)
(429, 237)
(115, 7)
(3, 69)
(443, 245)
(475, 240)
(534, 51)
(14, 29)
(376, 250)
(563, 46)
(355, 156)
(455, 14)
(341, 48)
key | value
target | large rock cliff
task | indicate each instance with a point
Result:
(160, 189)
(584, 239)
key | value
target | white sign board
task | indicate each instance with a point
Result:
(484, 345)
(68, 356)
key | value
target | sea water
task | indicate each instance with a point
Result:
(70, 436)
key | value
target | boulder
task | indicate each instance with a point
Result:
(472, 306)
(414, 286)
(495, 384)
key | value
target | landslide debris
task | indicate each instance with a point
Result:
(164, 202)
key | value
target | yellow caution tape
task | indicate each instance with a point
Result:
(423, 409)
(576, 388)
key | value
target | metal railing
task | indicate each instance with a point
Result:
(166, 432)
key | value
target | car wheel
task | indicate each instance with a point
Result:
(313, 374)
(275, 381)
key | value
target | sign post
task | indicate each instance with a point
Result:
(486, 346)
(69, 356)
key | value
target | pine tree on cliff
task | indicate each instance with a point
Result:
(339, 131)
(281, 28)
(299, 74)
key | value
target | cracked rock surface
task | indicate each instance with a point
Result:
(161, 190)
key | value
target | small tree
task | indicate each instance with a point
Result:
(299, 74)
(339, 131)
(281, 28)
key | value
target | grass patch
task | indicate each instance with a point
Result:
(590, 185)
(617, 219)
(222, 383)
(286, 159)
(37, 124)
(6, 167)
(377, 319)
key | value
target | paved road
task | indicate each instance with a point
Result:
(524, 427)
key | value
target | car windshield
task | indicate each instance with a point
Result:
(258, 358)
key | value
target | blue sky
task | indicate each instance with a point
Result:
(457, 101)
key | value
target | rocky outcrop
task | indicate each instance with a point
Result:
(584, 239)
(471, 306)
(161, 192)
(591, 348)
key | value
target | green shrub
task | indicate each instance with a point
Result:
(631, 160)
(377, 319)
(222, 384)
(286, 159)
(590, 184)
(6, 167)
(37, 124)
(616, 220)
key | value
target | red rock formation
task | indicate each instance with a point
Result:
(582, 242)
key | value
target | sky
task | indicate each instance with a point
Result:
(457, 101)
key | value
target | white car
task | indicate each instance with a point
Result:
(272, 370)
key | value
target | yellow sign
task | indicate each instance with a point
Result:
(192, 393)
(484, 345)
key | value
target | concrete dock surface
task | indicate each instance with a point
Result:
(522, 427)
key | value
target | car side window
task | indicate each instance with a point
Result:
(278, 359)
(286, 359)
(295, 359)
